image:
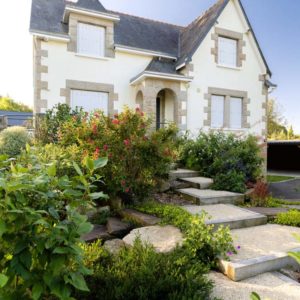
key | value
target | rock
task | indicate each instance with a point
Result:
(164, 187)
(163, 238)
(117, 227)
(98, 233)
(114, 246)
(139, 218)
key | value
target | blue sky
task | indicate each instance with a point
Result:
(275, 22)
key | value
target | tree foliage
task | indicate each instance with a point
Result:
(9, 104)
(276, 122)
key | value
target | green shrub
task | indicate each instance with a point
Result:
(290, 218)
(138, 157)
(202, 242)
(140, 273)
(41, 227)
(216, 154)
(13, 140)
(47, 125)
(233, 180)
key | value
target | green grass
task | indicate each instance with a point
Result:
(277, 178)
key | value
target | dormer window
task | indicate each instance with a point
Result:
(90, 40)
(227, 51)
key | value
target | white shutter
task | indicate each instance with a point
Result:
(235, 113)
(90, 40)
(217, 111)
(89, 101)
(227, 52)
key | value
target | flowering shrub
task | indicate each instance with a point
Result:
(137, 156)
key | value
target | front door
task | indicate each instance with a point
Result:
(158, 121)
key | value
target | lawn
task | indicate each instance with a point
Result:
(277, 178)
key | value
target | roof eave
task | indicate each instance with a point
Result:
(167, 76)
(102, 15)
(146, 52)
(50, 36)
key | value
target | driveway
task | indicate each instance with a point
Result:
(286, 190)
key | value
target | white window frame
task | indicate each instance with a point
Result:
(90, 96)
(227, 52)
(235, 113)
(95, 43)
(217, 111)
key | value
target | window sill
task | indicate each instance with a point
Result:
(93, 57)
(229, 67)
(229, 129)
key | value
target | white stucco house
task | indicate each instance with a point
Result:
(211, 74)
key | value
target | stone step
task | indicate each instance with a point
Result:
(99, 232)
(262, 249)
(272, 285)
(198, 182)
(228, 215)
(209, 197)
(139, 218)
(182, 173)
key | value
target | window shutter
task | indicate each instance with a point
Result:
(90, 40)
(217, 111)
(236, 113)
(227, 51)
(89, 101)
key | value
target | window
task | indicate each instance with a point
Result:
(90, 40)
(226, 114)
(217, 111)
(235, 116)
(89, 101)
(227, 51)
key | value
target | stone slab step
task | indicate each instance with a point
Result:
(182, 173)
(139, 218)
(263, 249)
(209, 197)
(99, 232)
(228, 215)
(198, 182)
(117, 228)
(271, 285)
(270, 212)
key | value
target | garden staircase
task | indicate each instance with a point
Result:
(261, 247)
(199, 192)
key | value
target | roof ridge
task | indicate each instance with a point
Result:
(147, 19)
(204, 14)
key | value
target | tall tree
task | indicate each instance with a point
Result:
(9, 104)
(276, 122)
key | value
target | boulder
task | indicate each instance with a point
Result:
(163, 238)
(114, 246)
(117, 227)
(164, 186)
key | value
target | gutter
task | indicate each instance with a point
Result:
(133, 50)
(47, 36)
(148, 74)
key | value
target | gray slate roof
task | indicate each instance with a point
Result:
(162, 65)
(136, 32)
